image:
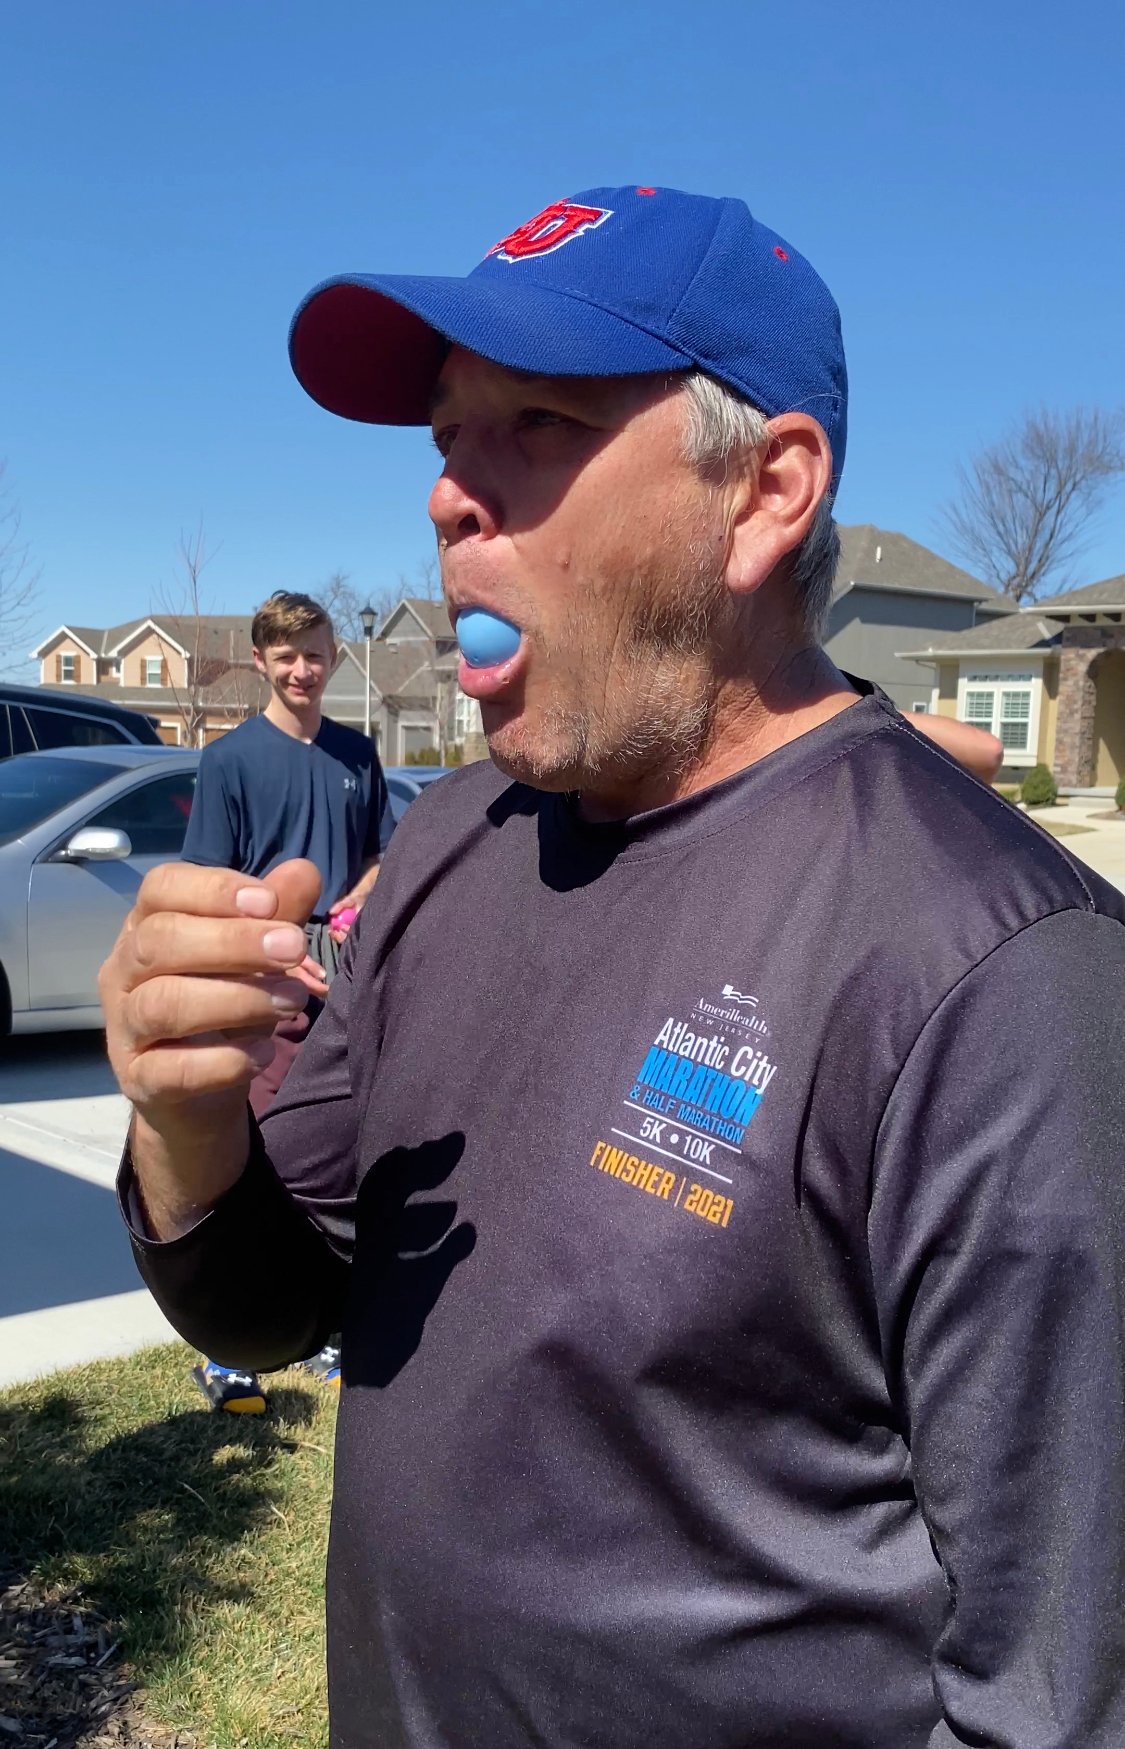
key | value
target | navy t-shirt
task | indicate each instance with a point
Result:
(263, 796)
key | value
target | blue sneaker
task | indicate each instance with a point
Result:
(325, 1366)
(227, 1387)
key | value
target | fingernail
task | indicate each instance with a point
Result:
(286, 944)
(289, 1001)
(259, 1051)
(256, 901)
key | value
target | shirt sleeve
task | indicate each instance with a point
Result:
(212, 836)
(997, 1230)
(261, 1279)
(380, 820)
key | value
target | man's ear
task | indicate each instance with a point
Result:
(258, 662)
(776, 501)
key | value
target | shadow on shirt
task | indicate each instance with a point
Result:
(406, 1251)
(572, 853)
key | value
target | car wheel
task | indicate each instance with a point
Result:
(5, 1006)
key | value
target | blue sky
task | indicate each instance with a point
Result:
(179, 174)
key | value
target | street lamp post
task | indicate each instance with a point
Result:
(367, 617)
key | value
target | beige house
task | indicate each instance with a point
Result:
(196, 677)
(1049, 680)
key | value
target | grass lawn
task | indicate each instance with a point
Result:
(132, 1514)
(1060, 828)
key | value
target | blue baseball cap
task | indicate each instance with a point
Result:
(611, 282)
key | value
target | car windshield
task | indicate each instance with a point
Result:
(32, 788)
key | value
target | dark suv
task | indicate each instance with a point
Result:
(33, 718)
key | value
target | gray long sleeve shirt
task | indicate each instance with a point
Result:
(726, 1214)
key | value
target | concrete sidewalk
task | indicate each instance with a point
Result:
(69, 1291)
(1101, 843)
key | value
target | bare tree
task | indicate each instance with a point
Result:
(425, 585)
(183, 604)
(19, 585)
(342, 602)
(345, 604)
(1024, 507)
(240, 691)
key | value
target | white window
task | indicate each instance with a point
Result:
(152, 667)
(66, 666)
(1007, 706)
(980, 705)
(1015, 719)
(922, 706)
(467, 719)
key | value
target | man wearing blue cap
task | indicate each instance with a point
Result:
(712, 1144)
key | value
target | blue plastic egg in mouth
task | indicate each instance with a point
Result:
(486, 639)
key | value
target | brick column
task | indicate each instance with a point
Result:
(1075, 752)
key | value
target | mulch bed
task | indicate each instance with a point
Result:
(62, 1682)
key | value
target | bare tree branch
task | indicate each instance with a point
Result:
(19, 585)
(183, 603)
(1024, 508)
(425, 585)
(344, 602)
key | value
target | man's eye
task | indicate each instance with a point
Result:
(445, 438)
(534, 417)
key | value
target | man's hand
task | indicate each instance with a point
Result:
(205, 966)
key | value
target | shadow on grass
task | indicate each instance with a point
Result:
(146, 1522)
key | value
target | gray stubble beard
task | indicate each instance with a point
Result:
(665, 649)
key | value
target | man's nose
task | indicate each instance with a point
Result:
(461, 505)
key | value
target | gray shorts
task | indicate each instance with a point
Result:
(324, 950)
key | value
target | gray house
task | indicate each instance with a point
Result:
(415, 701)
(889, 592)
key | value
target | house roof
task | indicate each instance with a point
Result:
(240, 688)
(1109, 593)
(878, 558)
(215, 637)
(431, 616)
(215, 634)
(222, 637)
(393, 666)
(88, 635)
(1015, 634)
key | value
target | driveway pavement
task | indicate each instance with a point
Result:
(69, 1291)
(1101, 843)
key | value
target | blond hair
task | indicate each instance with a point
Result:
(285, 616)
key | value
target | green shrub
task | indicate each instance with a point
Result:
(1010, 792)
(424, 756)
(1039, 789)
(1119, 795)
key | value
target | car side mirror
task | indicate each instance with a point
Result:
(96, 844)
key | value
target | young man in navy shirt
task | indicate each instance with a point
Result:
(288, 783)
